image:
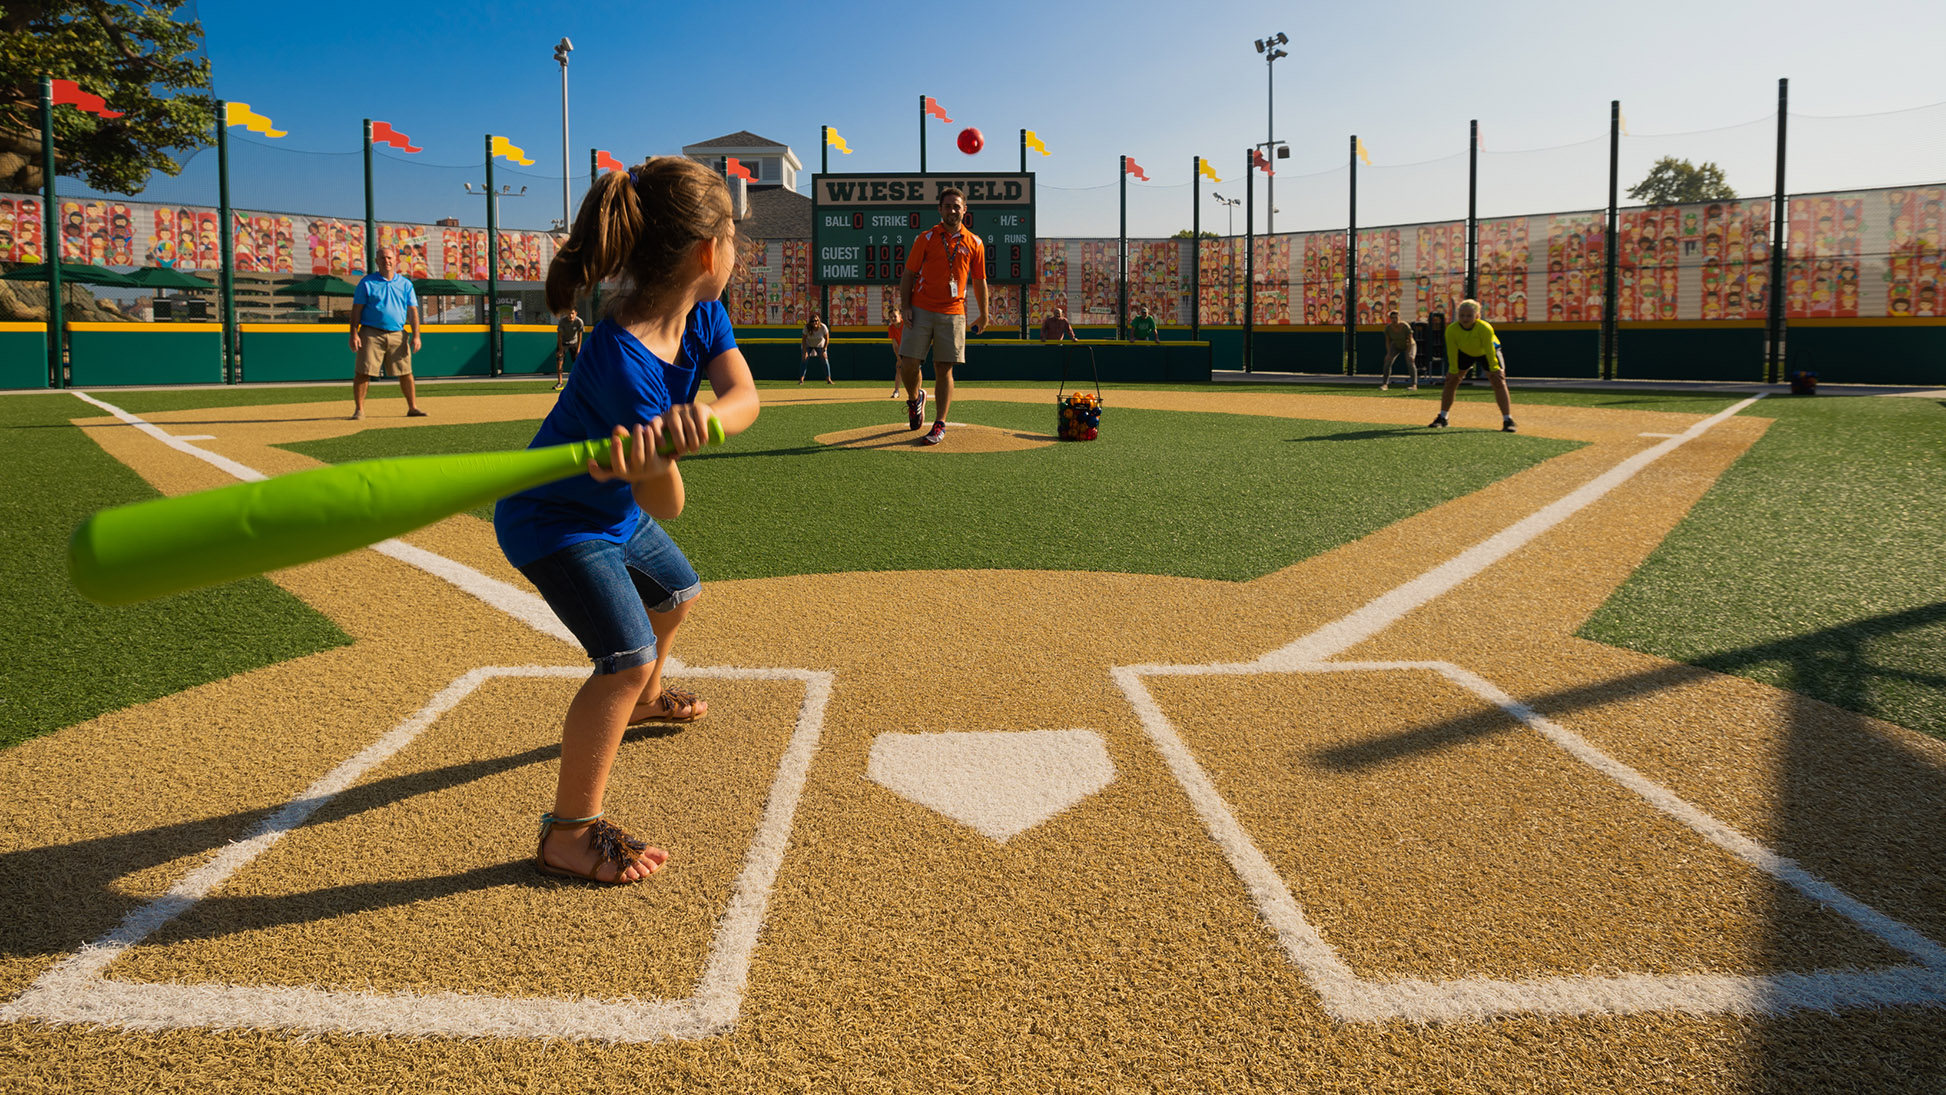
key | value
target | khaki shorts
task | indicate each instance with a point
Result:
(384, 353)
(944, 335)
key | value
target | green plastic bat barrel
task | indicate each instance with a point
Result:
(170, 545)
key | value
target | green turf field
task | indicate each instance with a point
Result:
(1813, 564)
(67, 659)
(1229, 497)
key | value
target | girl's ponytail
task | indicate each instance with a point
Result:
(640, 224)
(604, 236)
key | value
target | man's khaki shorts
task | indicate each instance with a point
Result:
(384, 353)
(944, 335)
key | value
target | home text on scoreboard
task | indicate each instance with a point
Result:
(862, 226)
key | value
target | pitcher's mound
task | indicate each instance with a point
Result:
(960, 437)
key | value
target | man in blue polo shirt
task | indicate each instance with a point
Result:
(381, 307)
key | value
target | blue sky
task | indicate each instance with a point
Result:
(1157, 81)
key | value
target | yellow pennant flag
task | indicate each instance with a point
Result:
(1623, 118)
(241, 114)
(1034, 142)
(1210, 171)
(502, 148)
(1362, 154)
(831, 138)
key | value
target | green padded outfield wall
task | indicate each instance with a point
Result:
(23, 355)
(1723, 350)
(527, 348)
(281, 352)
(286, 352)
(1862, 351)
(449, 349)
(145, 353)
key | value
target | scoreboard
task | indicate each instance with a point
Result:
(862, 226)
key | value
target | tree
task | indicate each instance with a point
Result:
(1672, 182)
(1183, 234)
(133, 53)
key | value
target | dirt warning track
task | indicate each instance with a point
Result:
(1357, 825)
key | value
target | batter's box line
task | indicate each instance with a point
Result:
(77, 990)
(1349, 997)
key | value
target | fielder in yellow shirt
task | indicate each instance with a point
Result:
(1470, 341)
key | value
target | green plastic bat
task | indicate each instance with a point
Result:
(170, 545)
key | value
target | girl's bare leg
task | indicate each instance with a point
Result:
(589, 739)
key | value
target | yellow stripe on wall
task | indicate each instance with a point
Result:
(149, 328)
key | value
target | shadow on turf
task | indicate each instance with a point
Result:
(65, 894)
(1835, 658)
(795, 450)
(1370, 435)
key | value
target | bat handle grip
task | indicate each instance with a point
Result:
(599, 450)
(713, 429)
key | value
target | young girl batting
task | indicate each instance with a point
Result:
(592, 545)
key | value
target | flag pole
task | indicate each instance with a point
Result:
(1196, 250)
(371, 225)
(51, 245)
(1121, 261)
(232, 367)
(493, 269)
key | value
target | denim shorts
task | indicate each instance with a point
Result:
(605, 591)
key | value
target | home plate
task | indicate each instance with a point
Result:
(999, 783)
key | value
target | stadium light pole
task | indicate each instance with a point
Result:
(561, 51)
(1267, 46)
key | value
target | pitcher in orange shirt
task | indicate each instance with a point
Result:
(944, 261)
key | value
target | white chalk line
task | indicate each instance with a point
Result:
(519, 603)
(1385, 610)
(1353, 998)
(77, 990)
(241, 471)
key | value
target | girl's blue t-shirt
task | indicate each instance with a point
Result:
(616, 382)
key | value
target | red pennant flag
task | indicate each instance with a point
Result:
(608, 163)
(933, 108)
(67, 91)
(1135, 169)
(736, 170)
(1257, 158)
(383, 133)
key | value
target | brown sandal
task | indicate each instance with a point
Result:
(613, 844)
(667, 704)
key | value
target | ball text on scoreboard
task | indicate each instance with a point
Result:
(863, 225)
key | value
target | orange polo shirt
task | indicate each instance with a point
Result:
(945, 266)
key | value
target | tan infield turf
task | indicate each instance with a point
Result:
(1425, 833)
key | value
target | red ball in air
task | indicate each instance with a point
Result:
(970, 140)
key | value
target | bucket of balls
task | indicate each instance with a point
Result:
(1080, 416)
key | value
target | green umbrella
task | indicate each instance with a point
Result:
(446, 287)
(166, 277)
(78, 273)
(324, 285)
